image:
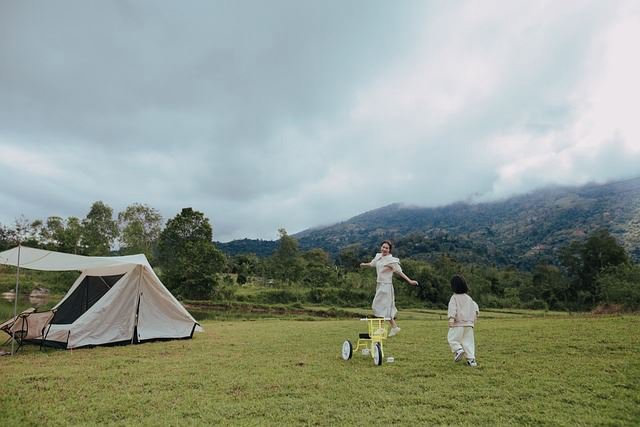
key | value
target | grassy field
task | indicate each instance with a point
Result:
(534, 369)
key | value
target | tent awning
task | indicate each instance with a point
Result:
(39, 259)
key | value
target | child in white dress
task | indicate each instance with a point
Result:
(384, 303)
(462, 313)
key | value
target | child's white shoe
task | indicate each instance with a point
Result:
(472, 363)
(458, 356)
(394, 331)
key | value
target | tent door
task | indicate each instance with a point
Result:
(135, 339)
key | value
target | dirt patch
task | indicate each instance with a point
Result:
(609, 309)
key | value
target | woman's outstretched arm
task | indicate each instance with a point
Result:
(406, 278)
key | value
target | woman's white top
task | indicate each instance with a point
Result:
(385, 267)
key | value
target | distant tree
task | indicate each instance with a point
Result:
(434, 289)
(620, 284)
(316, 257)
(36, 233)
(570, 257)
(53, 233)
(140, 227)
(584, 261)
(318, 270)
(61, 235)
(600, 251)
(189, 259)
(288, 246)
(286, 262)
(72, 236)
(245, 265)
(351, 256)
(548, 284)
(100, 230)
(446, 266)
(7, 238)
(24, 232)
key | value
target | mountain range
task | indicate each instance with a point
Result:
(521, 231)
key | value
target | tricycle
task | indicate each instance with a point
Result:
(370, 342)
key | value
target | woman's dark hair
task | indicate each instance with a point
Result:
(459, 285)
(388, 243)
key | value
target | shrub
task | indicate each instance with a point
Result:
(536, 304)
(327, 296)
(621, 285)
(224, 293)
(278, 296)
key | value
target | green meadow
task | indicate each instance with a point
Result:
(534, 368)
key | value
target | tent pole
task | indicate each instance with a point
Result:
(15, 301)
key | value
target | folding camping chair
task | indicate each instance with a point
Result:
(27, 326)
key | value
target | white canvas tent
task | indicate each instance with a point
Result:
(114, 300)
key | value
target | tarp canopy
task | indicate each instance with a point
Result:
(114, 300)
(39, 259)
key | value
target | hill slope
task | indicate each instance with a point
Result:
(520, 231)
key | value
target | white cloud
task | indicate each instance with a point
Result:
(19, 161)
(296, 114)
(607, 100)
(602, 141)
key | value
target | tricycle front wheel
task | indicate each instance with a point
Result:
(377, 354)
(347, 350)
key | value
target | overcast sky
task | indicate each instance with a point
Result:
(295, 114)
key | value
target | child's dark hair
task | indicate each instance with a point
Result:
(459, 285)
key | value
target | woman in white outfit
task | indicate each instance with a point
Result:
(384, 303)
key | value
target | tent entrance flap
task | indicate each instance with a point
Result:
(90, 290)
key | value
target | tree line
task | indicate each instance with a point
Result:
(136, 230)
(585, 273)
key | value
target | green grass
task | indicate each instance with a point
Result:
(533, 370)
(234, 310)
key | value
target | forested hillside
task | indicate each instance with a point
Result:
(558, 249)
(249, 246)
(521, 231)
